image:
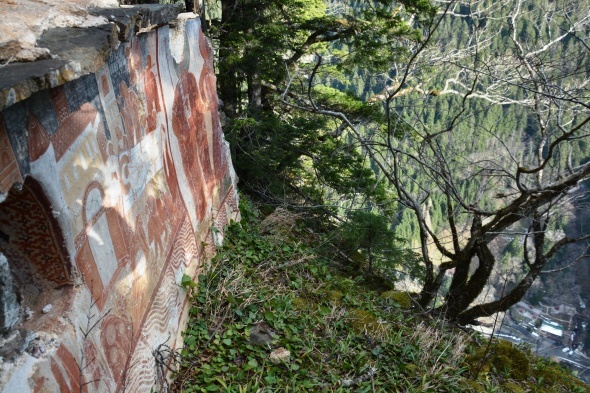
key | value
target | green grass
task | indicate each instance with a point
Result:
(342, 335)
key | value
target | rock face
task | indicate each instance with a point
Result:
(24, 21)
(280, 355)
(46, 43)
(110, 182)
(9, 307)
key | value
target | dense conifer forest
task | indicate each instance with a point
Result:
(456, 124)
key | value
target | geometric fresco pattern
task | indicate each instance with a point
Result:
(31, 235)
(126, 171)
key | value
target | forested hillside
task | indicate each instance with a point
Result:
(460, 125)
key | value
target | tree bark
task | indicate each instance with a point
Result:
(254, 90)
(459, 300)
(228, 82)
(505, 302)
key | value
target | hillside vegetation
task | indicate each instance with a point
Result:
(278, 287)
(441, 142)
(460, 127)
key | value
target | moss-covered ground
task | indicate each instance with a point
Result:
(343, 335)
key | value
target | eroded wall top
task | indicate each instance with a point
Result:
(46, 43)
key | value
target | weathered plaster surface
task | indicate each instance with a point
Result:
(46, 43)
(9, 307)
(24, 21)
(110, 185)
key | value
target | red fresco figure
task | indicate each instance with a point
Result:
(133, 54)
(129, 108)
(93, 368)
(151, 97)
(102, 246)
(145, 275)
(104, 84)
(207, 83)
(69, 377)
(169, 169)
(38, 138)
(115, 336)
(184, 113)
(202, 139)
(157, 217)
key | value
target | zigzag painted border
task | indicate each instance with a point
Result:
(166, 311)
(165, 308)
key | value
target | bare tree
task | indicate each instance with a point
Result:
(518, 183)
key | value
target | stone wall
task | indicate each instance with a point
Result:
(110, 185)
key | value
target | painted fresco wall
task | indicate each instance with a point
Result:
(110, 187)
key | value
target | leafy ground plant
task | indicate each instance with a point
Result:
(271, 313)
